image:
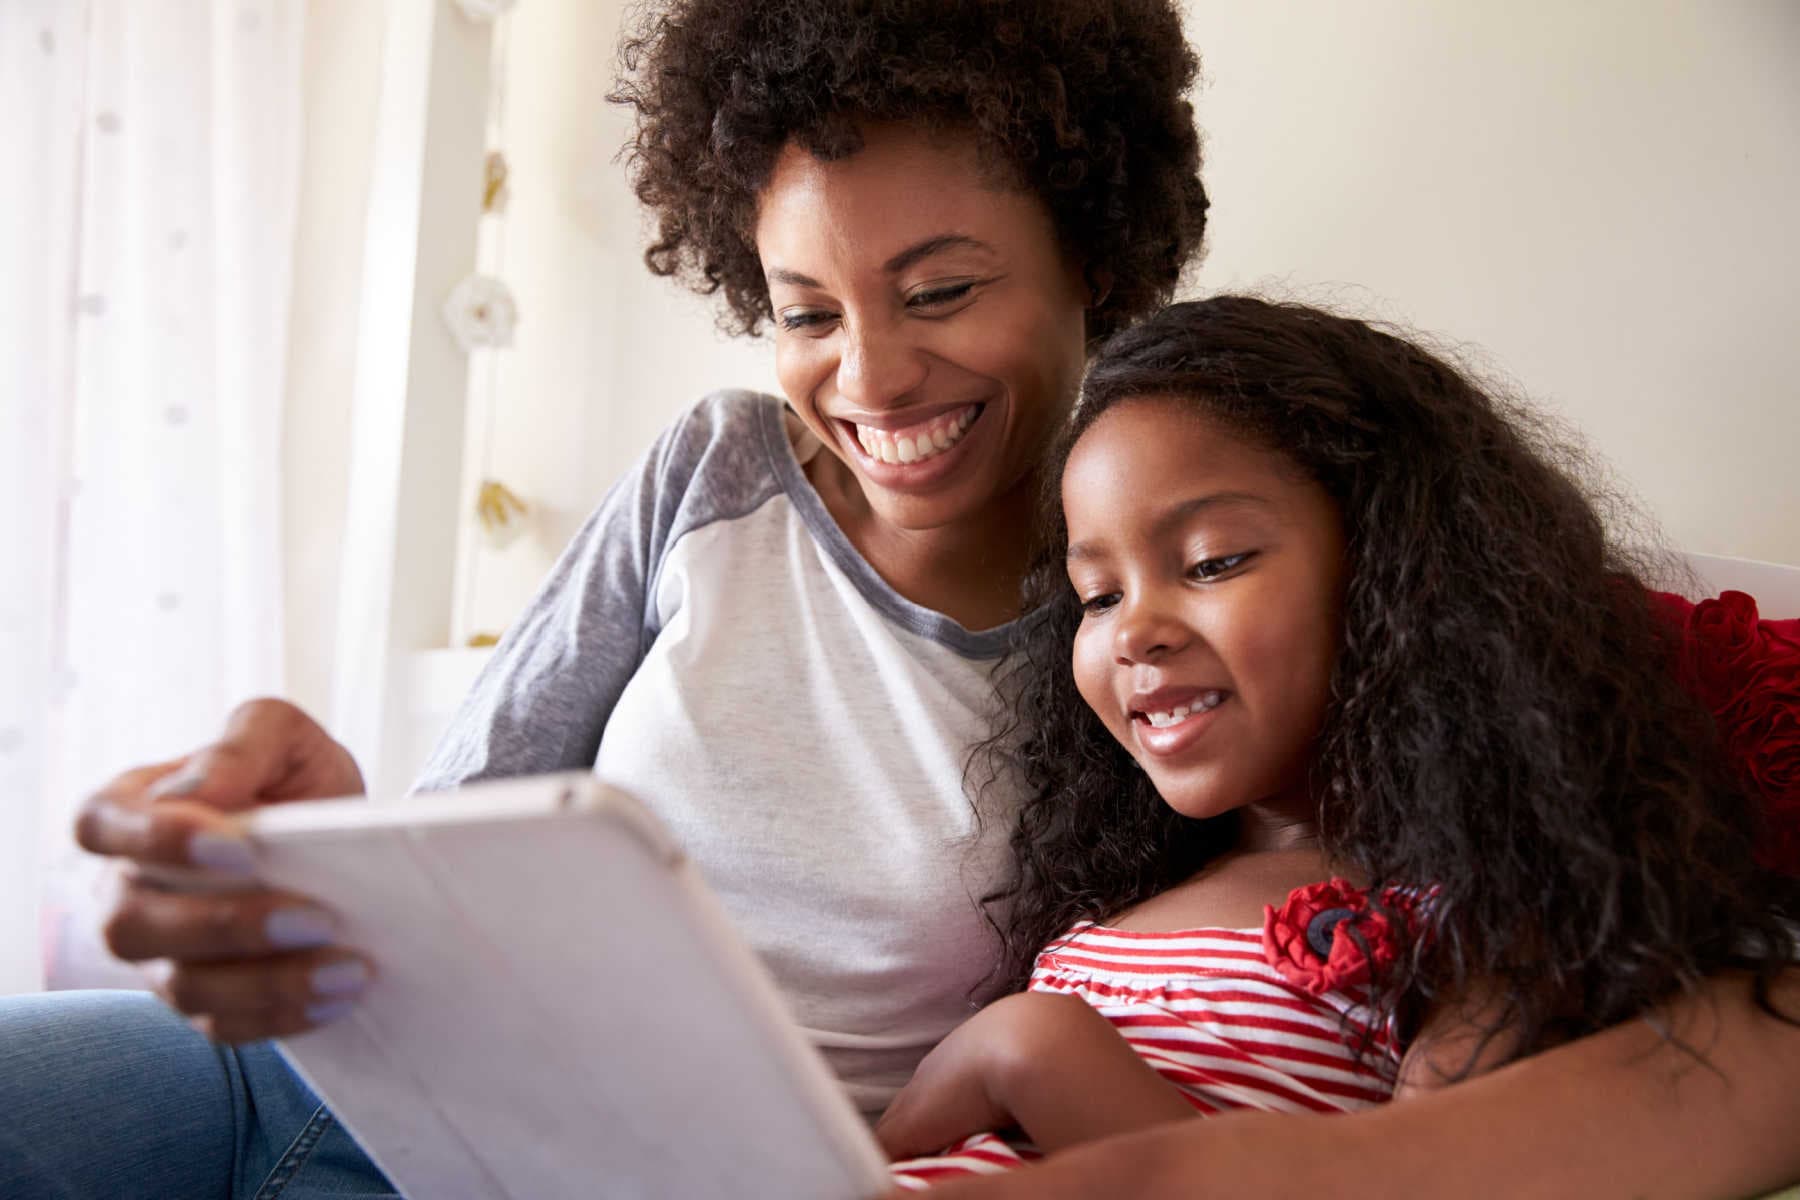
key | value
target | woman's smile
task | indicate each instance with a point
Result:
(930, 333)
(914, 441)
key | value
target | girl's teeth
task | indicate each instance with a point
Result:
(1201, 703)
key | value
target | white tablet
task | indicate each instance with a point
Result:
(562, 1007)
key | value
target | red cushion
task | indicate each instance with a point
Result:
(1746, 670)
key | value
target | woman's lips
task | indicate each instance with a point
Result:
(921, 472)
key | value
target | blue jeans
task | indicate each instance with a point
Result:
(110, 1094)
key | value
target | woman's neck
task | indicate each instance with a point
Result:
(969, 571)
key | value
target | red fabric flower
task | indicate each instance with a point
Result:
(1327, 936)
(1746, 671)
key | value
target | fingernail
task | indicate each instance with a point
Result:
(183, 782)
(221, 852)
(340, 978)
(124, 820)
(324, 1014)
(299, 928)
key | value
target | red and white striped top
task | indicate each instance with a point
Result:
(1208, 1011)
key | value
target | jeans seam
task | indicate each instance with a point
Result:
(296, 1155)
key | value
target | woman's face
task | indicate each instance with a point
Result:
(1210, 573)
(928, 326)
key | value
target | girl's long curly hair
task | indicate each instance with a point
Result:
(1080, 102)
(1503, 725)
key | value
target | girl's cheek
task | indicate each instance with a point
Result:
(1089, 664)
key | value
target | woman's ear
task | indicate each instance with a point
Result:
(1099, 282)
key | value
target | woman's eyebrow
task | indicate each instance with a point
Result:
(1175, 514)
(791, 278)
(911, 256)
(919, 251)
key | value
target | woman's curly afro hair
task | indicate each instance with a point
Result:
(1080, 101)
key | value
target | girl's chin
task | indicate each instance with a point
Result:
(1198, 802)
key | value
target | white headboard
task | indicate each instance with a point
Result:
(1775, 587)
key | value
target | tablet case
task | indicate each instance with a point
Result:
(561, 1007)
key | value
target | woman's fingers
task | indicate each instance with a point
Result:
(293, 981)
(267, 997)
(151, 922)
(172, 812)
(171, 832)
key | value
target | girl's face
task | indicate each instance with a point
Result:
(1210, 572)
(928, 326)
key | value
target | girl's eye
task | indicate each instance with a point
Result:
(805, 320)
(940, 297)
(1099, 604)
(1212, 568)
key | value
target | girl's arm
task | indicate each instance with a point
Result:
(1620, 1113)
(1048, 1064)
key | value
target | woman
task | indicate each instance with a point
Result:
(936, 206)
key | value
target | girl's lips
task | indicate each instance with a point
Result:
(1173, 739)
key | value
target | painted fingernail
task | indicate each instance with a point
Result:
(125, 821)
(221, 852)
(340, 978)
(184, 782)
(324, 1014)
(299, 928)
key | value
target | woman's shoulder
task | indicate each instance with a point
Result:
(720, 458)
(727, 429)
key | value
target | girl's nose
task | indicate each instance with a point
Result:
(1147, 630)
(878, 367)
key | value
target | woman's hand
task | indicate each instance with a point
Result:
(1047, 1063)
(248, 963)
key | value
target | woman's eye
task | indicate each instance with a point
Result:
(802, 320)
(1212, 568)
(939, 297)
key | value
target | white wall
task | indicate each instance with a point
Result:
(606, 354)
(1592, 194)
(1599, 194)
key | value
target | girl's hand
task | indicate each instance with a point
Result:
(952, 1095)
(1045, 1062)
(246, 963)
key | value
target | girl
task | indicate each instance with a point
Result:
(1365, 772)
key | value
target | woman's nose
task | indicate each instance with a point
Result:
(878, 366)
(1147, 629)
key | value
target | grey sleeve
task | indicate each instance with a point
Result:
(543, 700)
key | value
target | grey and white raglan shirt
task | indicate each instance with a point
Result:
(712, 643)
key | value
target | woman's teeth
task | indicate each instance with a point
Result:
(1200, 703)
(918, 442)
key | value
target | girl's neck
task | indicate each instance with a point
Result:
(1230, 892)
(969, 571)
(1267, 827)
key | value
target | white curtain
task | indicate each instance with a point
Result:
(146, 231)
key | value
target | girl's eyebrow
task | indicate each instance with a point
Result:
(1175, 514)
(911, 256)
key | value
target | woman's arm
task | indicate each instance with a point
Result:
(1456, 1042)
(1621, 1113)
(1049, 1064)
